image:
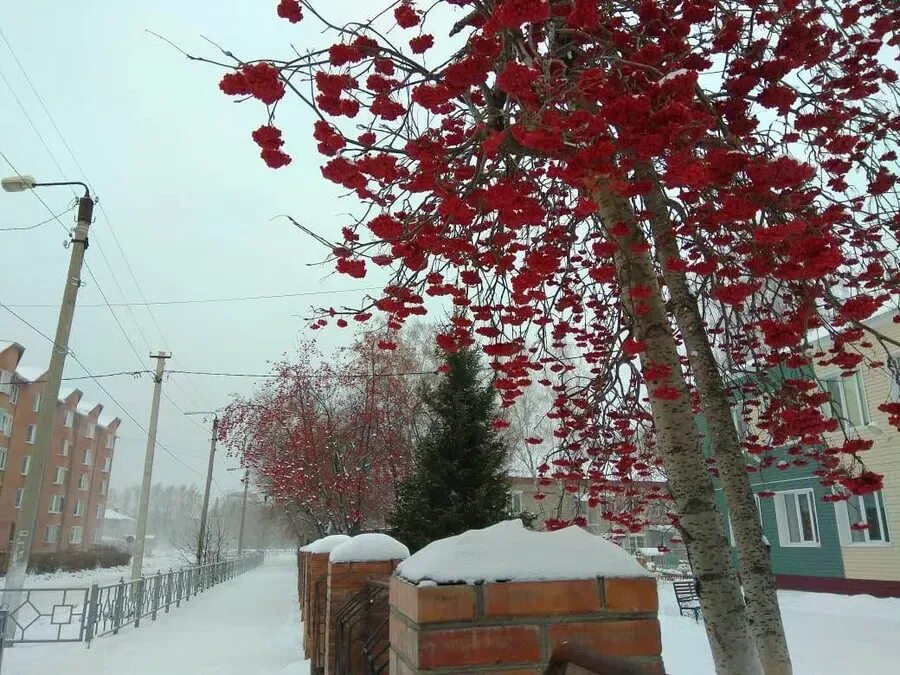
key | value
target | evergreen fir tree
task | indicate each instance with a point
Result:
(459, 481)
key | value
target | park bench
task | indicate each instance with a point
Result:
(686, 595)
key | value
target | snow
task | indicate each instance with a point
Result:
(509, 552)
(326, 544)
(110, 514)
(369, 546)
(30, 373)
(673, 75)
(86, 407)
(246, 625)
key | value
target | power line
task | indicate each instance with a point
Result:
(55, 216)
(196, 301)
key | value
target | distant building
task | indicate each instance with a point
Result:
(79, 464)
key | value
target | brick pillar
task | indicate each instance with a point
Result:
(316, 590)
(514, 627)
(345, 580)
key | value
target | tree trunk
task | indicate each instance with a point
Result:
(753, 559)
(724, 612)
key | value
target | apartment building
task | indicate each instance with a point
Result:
(78, 468)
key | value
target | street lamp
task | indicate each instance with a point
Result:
(27, 518)
(209, 473)
(243, 507)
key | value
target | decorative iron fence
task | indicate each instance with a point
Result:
(363, 621)
(81, 614)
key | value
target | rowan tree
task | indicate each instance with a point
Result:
(668, 190)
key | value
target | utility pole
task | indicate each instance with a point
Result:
(209, 473)
(243, 512)
(31, 499)
(137, 558)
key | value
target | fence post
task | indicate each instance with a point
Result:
(155, 596)
(139, 602)
(3, 614)
(120, 606)
(93, 607)
(169, 579)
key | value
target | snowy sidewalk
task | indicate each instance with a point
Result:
(247, 626)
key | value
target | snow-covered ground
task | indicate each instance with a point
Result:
(826, 634)
(246, 626)
(250, 626)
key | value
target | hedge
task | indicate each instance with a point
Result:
(71, 561)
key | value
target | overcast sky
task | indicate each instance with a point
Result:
(185, 193)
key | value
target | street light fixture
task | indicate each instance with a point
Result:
(28, 512)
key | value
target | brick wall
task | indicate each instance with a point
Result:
(514, 627)
(345, 580)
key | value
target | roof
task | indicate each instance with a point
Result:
(111, 514)
(30, 373)
(105, 420)
(66, 392)
(5, 344)
(86, 407)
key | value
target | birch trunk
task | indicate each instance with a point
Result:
(753, 559)
(724, 612)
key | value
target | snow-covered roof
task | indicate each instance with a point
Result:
(326, 544)
(86, 407)
(369, 546)
(4, 345)
(509, 552)
(111, 514)
(66, 392)
(30, 373)
(105, 419)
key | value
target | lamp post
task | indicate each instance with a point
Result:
(31, 499)
(209, 473)
(243, 507)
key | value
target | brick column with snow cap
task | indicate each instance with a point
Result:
(366, 557)
(501, 599)
(315, 592)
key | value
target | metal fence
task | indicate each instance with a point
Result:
(81, 614)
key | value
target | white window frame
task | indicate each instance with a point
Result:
(26, 465)
(54, 529)
(107, 464)
(20, 494)
(515, 495)
(90, 430)
(78, 509)
(104, 484)
(110, 441)
(31, 434)
(842, 515)
(847, 416)
(6, 421)
(83, 482)
(76, 530)
(60, 477)
(100, 511)
(781, 518)
(57, 504)
(36, 402)
(64, 449)
(69, 421)
(4, 452)
(87, 457)
(6, 382)
(14, 394)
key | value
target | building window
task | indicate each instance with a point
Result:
(795, 513)
(64, 449)
(26, 465)
(57, 502)
(98, 536)
(83, 482)
(862, 520)
(79, 508)
(87, 457)
(20, 493)
(70, 419)
(36, 403)
(848, 400)
(5, 423)
(99, 511)
(515, 503)
(89, 430)
(51, 534)
(110, 441)
(31, 434)
(60, 475)
(3, 452)
(75, 534)
(6, 383)
(103, 485)
(14, 394)
(107, 464)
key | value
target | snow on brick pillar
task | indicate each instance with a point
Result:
(315, 590)
(500, 600)
(366, 557)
